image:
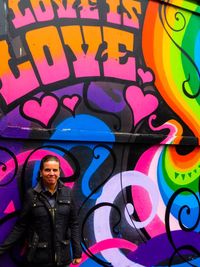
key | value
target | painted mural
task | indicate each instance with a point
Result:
(112, 88)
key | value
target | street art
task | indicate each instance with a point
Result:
(112, 88)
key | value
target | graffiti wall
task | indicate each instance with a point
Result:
(112, 88)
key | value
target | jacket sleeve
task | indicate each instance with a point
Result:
(75, 233)
(20, 226)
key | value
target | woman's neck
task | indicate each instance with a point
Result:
(50, 188)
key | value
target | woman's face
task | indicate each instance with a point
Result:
(50, 173)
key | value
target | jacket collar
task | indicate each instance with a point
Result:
(39, 188)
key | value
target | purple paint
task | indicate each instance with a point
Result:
(159, 249)
(108, 97)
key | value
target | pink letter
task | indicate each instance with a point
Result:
(113, 67)
(43, 10)
(65, 12)
(113, 16)
(20, 20)
(48, 54)
(13, 87)
(86, 10)
(85, 64)
(133, 8)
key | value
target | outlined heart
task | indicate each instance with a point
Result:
(41, 110)
(146, 76)
(141, 105)
(71, 102)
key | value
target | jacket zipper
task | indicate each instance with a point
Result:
(52, 213)
(52, 210)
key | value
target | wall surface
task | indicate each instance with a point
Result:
(112, 88)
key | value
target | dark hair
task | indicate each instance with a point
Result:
(48, 158)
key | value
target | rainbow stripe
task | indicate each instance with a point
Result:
(171, 40)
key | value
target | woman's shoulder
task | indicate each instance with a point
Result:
(29, 194)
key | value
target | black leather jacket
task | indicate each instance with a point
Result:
(49, 231)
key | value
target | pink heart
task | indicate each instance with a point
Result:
(42, 110)
(71, 102)
(146, 76)
(141, 105)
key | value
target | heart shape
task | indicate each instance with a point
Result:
(41, 110)
(146, 76)
(71, 102)
(141, 105)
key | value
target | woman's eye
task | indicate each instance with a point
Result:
(48, 170)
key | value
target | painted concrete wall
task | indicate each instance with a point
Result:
(112, 88)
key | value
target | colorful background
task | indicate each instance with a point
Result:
(112, 88)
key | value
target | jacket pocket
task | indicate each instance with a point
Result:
(39, 210)
(37, 251)
(32, 246)
(63, 206)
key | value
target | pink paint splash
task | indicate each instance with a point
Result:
(173, 126)
(143, 206)
(108, 244)
(10, 208)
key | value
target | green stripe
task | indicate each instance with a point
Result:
(190, 5)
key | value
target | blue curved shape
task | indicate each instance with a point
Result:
(197, 49)
(83, 128)
(90, 131)
(86, 128)
(91, 263)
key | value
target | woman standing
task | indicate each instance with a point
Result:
(48, 220)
